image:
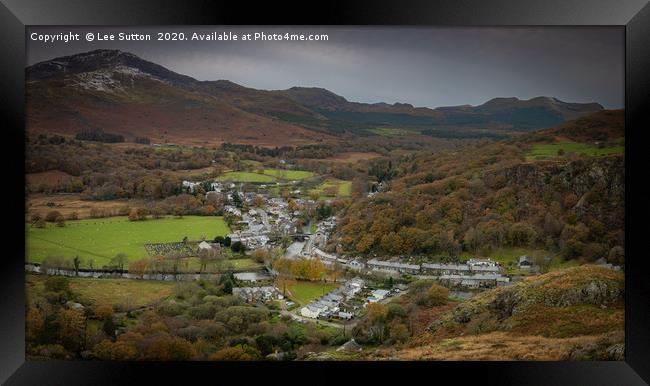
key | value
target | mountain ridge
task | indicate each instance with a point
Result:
(125, 81)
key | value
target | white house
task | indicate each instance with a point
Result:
(204, 245)
(311, 311)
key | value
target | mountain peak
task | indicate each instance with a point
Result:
(315, 97)
(102, 59)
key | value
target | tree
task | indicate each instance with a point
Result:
(237, 200)
(71, 328)
(34, 322)
(60, 222)
(399, 332)
(52, 216)
(377, 315)
(260, 255)
(259, 201)
(139, 267)
(437, 295)
(103, 311)
(36, 217)
(76, 262)
(232, 354)
(314, 195)
(179, 211)
(616, 255)
(57, 284)
(237, 247)
(118, 261)
(227, 281)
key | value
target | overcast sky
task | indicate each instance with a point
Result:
(429, 67)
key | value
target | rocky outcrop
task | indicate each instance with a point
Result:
(584, 285)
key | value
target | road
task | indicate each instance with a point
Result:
(294, 250)
(264, 217)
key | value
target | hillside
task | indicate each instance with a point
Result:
(489, 196)
(575, 313)
(118, 92)
(601, 126)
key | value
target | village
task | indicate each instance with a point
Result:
(259, 221)
(270, 220)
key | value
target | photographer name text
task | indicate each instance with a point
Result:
(223, 36)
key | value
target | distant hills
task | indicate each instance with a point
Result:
(121, 93)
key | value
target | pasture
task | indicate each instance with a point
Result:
(333, 188)
(304, 292)
(101, 239)
(549, 150)
(391, 132)
(245, 177)
(120, 293)
(289, 174)
(265, 175)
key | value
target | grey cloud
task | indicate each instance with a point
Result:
(423, 66)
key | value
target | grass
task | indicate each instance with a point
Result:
(265, 176)
(288, 174)
(245, 177)
(101, 239)
(342, 189)
(243, 263)
(116, 292)
(550, 150)
(390, 131)
(562, 322)
(304, 292)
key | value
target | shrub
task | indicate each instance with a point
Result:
(52, 215)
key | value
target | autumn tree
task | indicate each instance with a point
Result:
(71, 328)
(377, 315)
(139, 267)
(60, 221)
(437, 295)
(34, 322)
(52, 216)
(260, 255)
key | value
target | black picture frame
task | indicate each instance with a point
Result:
(634, 15)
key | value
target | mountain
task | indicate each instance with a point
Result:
(121, 93)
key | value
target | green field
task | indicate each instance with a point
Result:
(245, 177)
(304, 292)
(119, 293)
(343, 189)
(265, 176)
(101, 239)
(550, 150)
(391, 131)
(245, 263)
(289, 174)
